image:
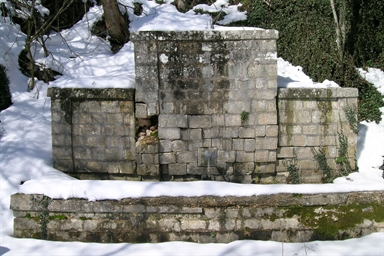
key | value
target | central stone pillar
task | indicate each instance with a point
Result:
(214, 94)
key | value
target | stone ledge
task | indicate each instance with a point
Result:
(317, 93)
(206, 35)
(89, 94)
(207, 219)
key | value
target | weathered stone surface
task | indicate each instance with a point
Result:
(198, 91)
(279, 217)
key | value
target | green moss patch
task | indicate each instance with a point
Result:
(327, 221)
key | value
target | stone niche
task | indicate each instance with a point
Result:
(93, 132)
(206, 107)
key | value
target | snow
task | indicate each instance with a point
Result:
(86, 61)
(294, 77)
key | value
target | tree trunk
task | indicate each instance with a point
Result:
(116, 24)
(340, 26)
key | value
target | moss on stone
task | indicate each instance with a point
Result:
(328, 221)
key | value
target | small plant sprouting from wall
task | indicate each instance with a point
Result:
(351, 113)
(244, 116)
(321, 159)
(292, 168)
(342, 160)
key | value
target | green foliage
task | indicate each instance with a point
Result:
(5, 95)
(342, 160)
(244, 116)
(308, 39)
(367, 33)
(351, 113)
(292, 168)
(370, 102)
(321, 160)
(329, 220)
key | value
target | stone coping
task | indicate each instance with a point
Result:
(317, 93)
(89, 94)
(207, 35)
(23, 202)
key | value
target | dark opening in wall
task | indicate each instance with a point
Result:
(147, 129)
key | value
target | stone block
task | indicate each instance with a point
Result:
(267, 118)
(141, 110)
(167, 120)
(245, 132)
(245, 157)
(238, 144)
(272, 156)
(243, 168)
(195, 134)
(148, 169)
(177, 169)
(310, 129)
(255, 71)
(168, 158)
(193, 169)
(147, 148)
(265, 168)
(179, 145)
(191, 224)
(165, 146)
(307, 164)
(231, 132)
(169, 133)
(266, 143)
(168, 108)
(149, 159)
(153, 108)
(222, 144)
(195, 144)
(237, 107)
(261, 156)
(285, 152)
(214, 132)
(272, 130)
(217, 120)
(124, 167)
(224, 156)
(313, 141)
(232, 120)
(299, 140)
(186, 157)
(260, 131)
(200, 121)
(249, 145)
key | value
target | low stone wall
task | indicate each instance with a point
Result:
(316, 121)
(93, 132)
(281, 217)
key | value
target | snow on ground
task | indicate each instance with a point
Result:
(294, 77)
(86, 61)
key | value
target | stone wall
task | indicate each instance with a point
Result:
(208, 105)
(215, 96)
(315, 120)
(93, 132)
(282, 217)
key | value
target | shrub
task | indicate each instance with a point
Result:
(308, 39)
(5, 95)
